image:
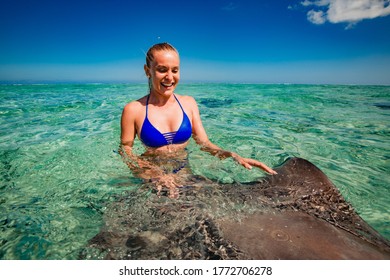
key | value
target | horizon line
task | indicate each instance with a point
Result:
(86, 82)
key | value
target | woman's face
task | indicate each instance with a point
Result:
(164, 72)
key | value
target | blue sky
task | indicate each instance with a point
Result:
(269, 41)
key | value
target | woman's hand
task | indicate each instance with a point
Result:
(248, 163)
(168, 181)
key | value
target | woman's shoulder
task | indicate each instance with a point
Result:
(136, 105)
(187, 100)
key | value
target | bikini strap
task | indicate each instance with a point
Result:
(178, 102)
(147, 103)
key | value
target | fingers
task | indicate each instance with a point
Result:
(173, 193)
(159, 188)
(167, 182)
(270, 171)
(265, 167)
(248, 163)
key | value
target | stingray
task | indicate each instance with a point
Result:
(296, 214)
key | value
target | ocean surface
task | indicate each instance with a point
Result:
(59, 169)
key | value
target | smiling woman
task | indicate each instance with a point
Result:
(165, 121)
(167, 64)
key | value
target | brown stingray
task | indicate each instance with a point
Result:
(296, 235)
(297, 214)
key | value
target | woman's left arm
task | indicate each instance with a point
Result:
(201, 138)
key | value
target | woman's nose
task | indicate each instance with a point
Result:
(169, 75)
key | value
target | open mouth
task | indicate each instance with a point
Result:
(166, 85)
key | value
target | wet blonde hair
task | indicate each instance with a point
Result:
(158, 47)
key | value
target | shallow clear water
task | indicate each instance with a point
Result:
(59, 171)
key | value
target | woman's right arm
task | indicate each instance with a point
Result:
(128, 132)
(140, 168)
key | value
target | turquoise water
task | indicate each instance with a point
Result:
(58, 171)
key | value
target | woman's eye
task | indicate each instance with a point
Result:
(162, 70)
(165, 70)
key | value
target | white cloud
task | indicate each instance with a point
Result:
(349, 11)
(230, 7)
(307, 3)
(357, 10)
(316, 3)
(316, 17)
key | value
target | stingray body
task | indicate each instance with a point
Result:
(296, 214)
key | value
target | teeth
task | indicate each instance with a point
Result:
(167, 85)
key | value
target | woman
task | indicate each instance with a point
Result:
(165, 121)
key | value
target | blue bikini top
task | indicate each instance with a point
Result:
(151, 137)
